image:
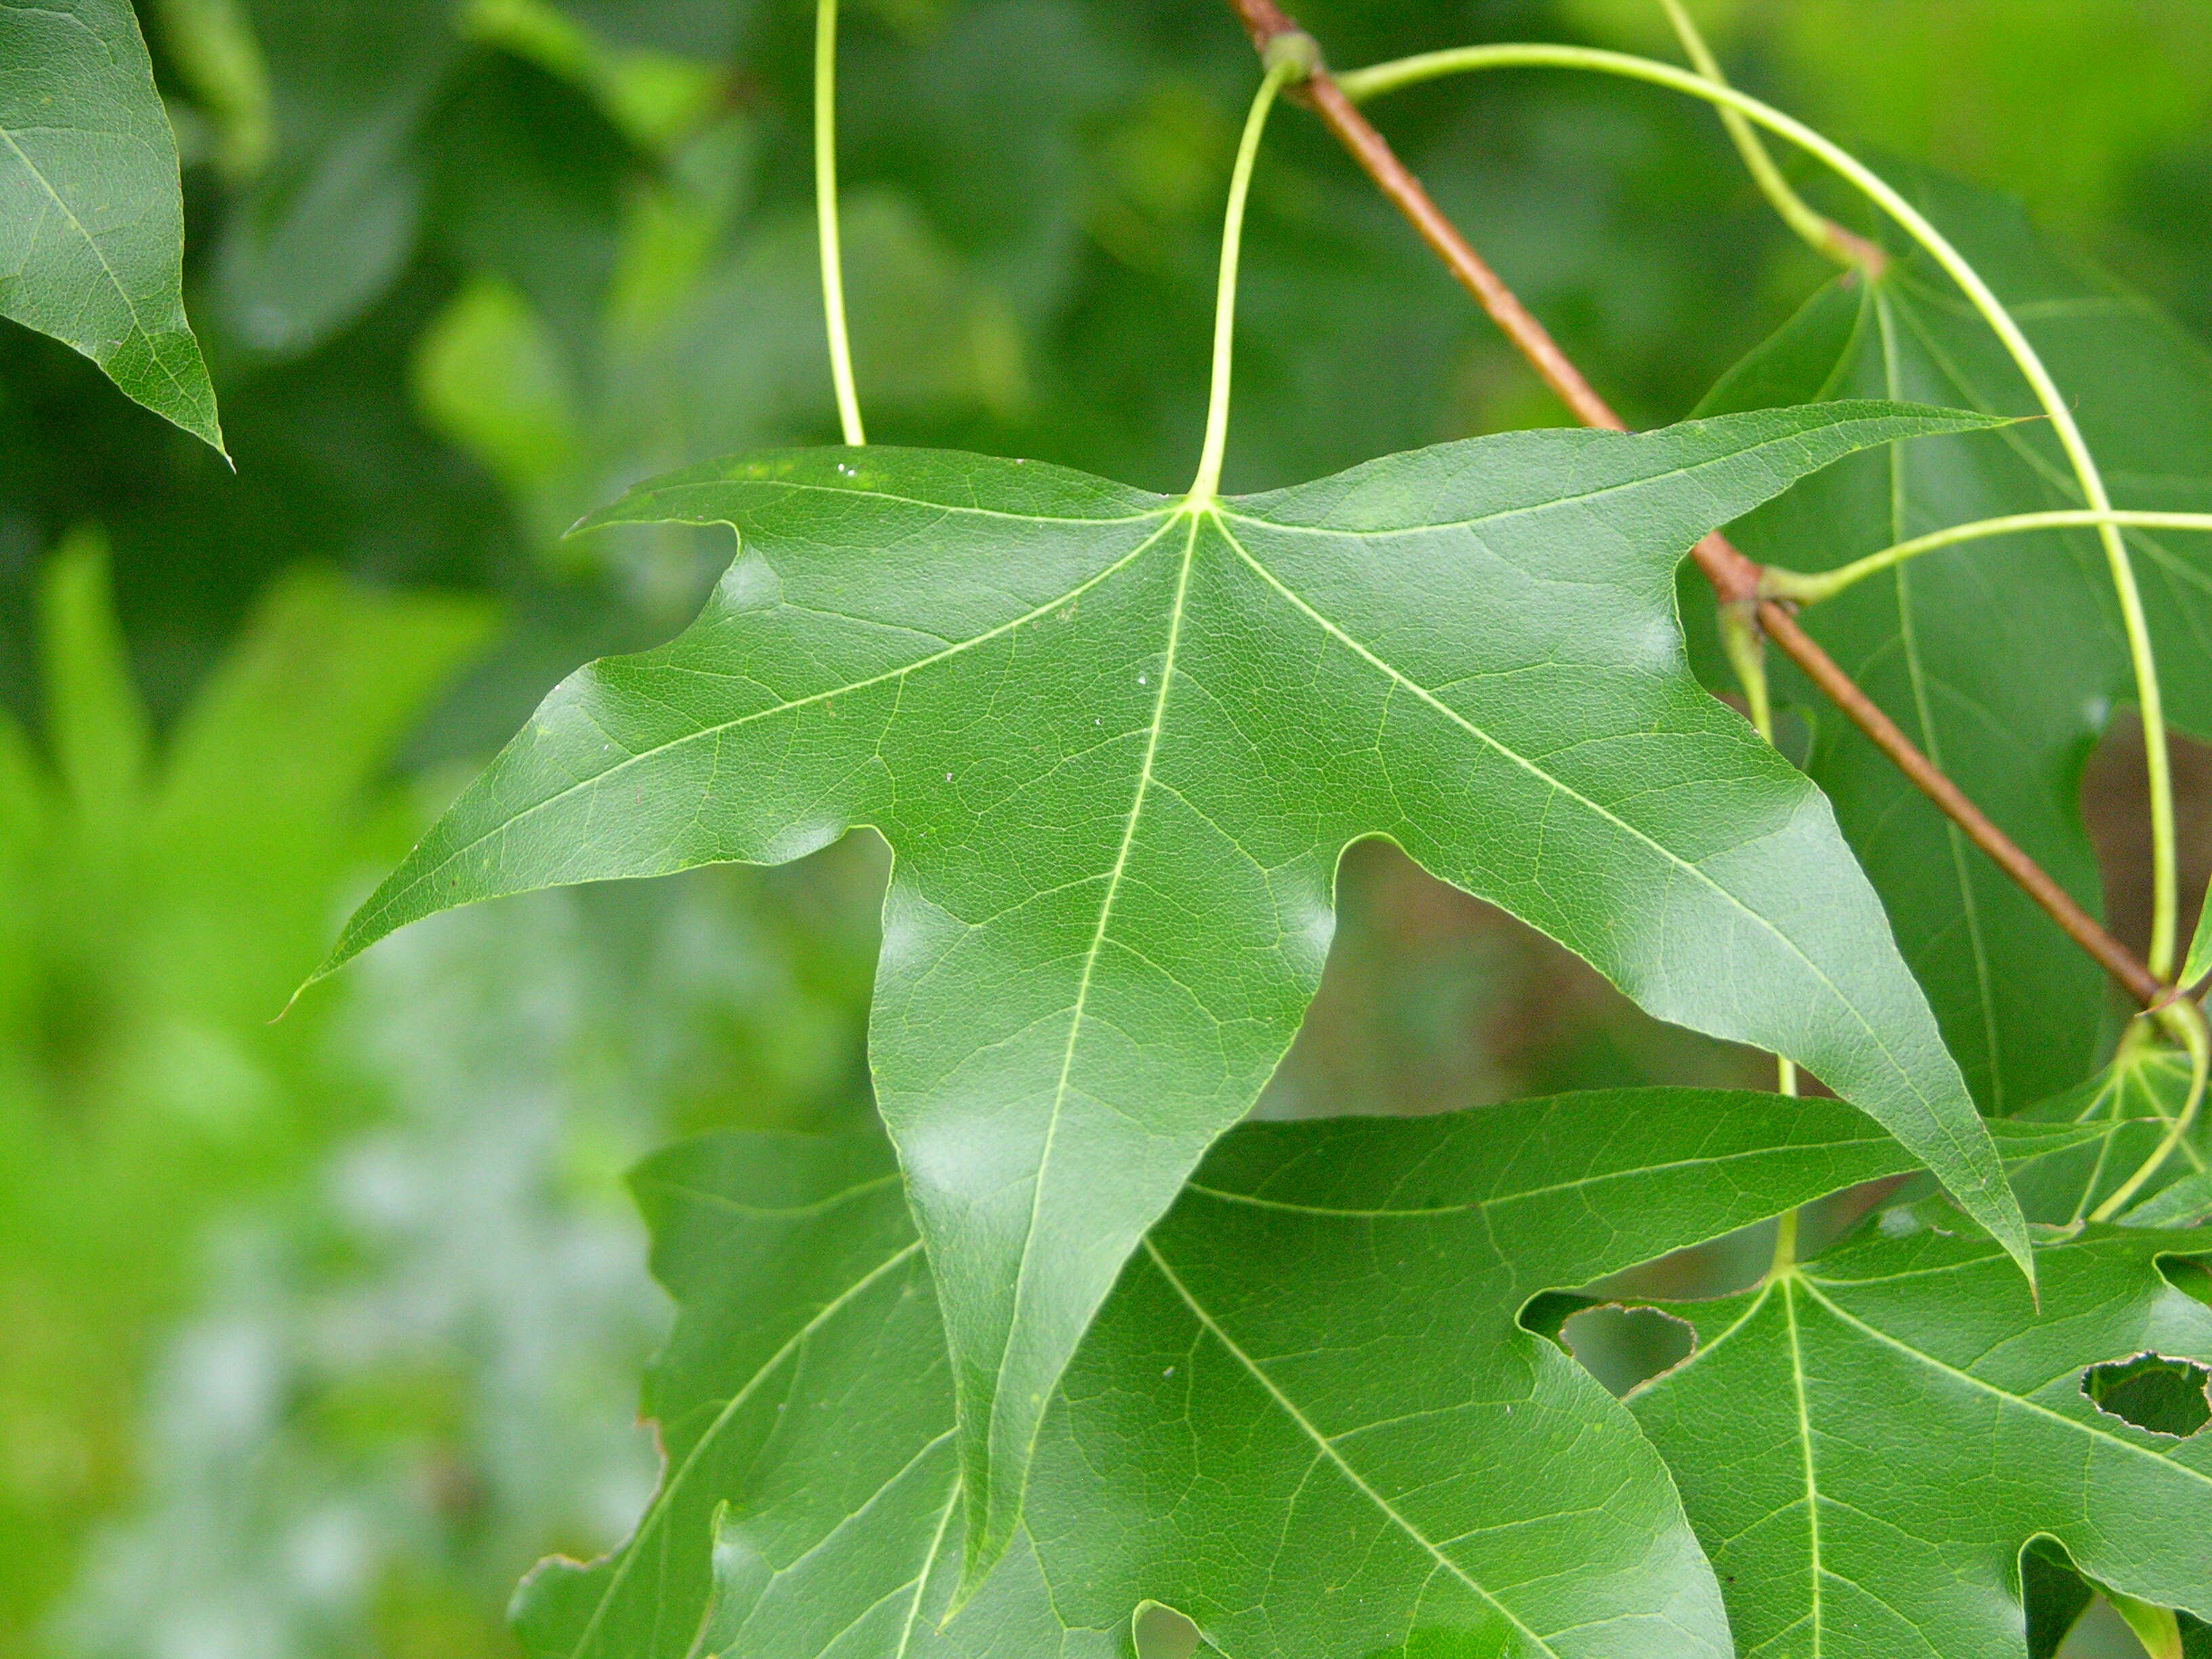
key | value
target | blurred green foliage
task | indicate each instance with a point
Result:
(317, 1332)
(157, 898)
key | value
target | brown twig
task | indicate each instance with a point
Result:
(2114, 957)
(1735, 577)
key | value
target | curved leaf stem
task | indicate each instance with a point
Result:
(1286, 62)
(1733, 576)
(2111, 1098)
(1823, 234)
(1360, 84)
(2185, 1020)
(825, 210)
(1802, 587)
(1746, 654)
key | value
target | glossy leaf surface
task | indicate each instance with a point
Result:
(1866, 1445)
(92, 221)
(2002, 659)
(1306, 1419)
(1117, 742)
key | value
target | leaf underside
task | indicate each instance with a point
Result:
(2134, 1102)
(1306, 1418)
(1942, 642)
(1117, 743)
(92, 222)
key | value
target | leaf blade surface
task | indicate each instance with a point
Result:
(1306, 1417)
(1117, 743)
(1866, 1445)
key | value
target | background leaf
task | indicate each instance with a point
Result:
(2053, 1594)
(1117, 746)
(1306, 1419)
(1866, 1444)
(92, 227)
(1940, 641)
(330, 221)
(2133, 1100)
(160, 887)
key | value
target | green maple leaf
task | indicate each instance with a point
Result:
(1866, 1443)
(1940, 641)
(1117, 742)
(1306, 1419)
(92, 221)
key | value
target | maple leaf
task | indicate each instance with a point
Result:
(1867, 1442)
(1117, 743)
(1307, 1418)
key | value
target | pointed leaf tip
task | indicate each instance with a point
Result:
(95, 181)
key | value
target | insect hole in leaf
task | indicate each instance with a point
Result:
(2166, 1396)
(1625, 1347)
(1156, 1630)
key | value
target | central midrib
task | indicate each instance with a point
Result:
(1083, 985)
(90, 241)
(1813, 1569)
